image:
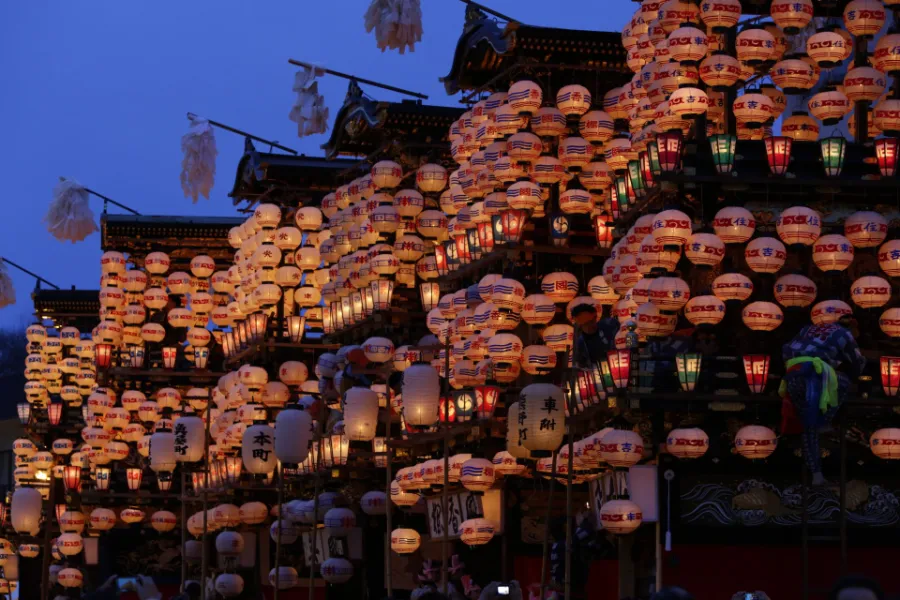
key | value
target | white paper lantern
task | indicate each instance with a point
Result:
(374, 503)
(477, 475)
(870, 291)
(620, 517)
(561, 287)
(889, 258)
(795, 290)
(622, 448)
(337, 570)
(258, 449)
(405, 541)
(865, 229)
(734, 224)
(885, 443)
(799, 225)
(833, 252)
(284, 578)
(732, 286)
(540, 417)
(476, 532)
(253, 513)
(762, 316)
(289, 533)
(292, 444)
(70, 578)
(829, 311)
(229, 585)
(25, 511)
(360, 414)
(162, 452)
(704, 310)
(765, 255)
(690, 442)
(755, 441)
(401, 497)
(672, 227)
(669, 293)
(524, 97)
(339, 521)
(864, 17)
(421, 395)
(102, 519)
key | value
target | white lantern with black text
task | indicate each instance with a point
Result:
(258, 449)
(540, 421)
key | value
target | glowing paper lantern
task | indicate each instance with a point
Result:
(829, 311)
(477, 475)
(765, 255)
(890, 375)
(421, 395)
(799, 225)
(756, 369)
(687, 443)
(829, 106)
(25, 510)
(870, 291)
(762, 316)
(476, 532)
(405, 541)
(864, 17)
(620, 517)
(885, 443)
(755, 442)
(704, 310)
(865, 229)
(540, 418)
(795, 290)
(734, 224)
(622, 448)
(833, 252)
(755, 46)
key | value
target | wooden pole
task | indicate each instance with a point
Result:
(570, 397)
(48, 526)
(191, 116)
(279, 472)
(384, 86)
(445, 493)
(314, 538)
(27, 272)
(204, 557)
(184, 569)
(388, 579)
(546, 544)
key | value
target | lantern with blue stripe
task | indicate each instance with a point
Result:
(477, 475)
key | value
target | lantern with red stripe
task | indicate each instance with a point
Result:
(889, 258)
(889, 322)
(827, 48)
(619, 362)
(755, 46)
(688, 101)
(865, 229)
(720, 71)
(864, 84)
(672, 227)
(890, 375)
(755, 442)
(793, 75)
(870, 291)
(762, 316)
(829, 106)
(721, 15)
(734, 224)
(687, 44)
(705, 249)
(754, 109)
(573, 100)
(829, 311)
(799, 225)
(704, 310)
(795, 290)
(524, 97)
(886, 116)
(887, 54)
(832, 252)
(687, 443)
(791, 15)
(765, 255)
(864, 17)
(670, 146)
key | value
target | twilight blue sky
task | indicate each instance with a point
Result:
(97, 90)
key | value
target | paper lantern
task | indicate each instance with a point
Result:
(476, 532)
(705, 249)
(885, 443)
(672, 227)
(622, 448)
(163, 521)
(596, 127)
(755, 442)
(289, 533)
(524, 97)
(828, 48)
(800, 127)
(386, 174)
(887, 150)
(829, 106)
(540, 418)
(687, 443)
(29, 550)
(70, 578)
(829, 311)
(284, 578)
(538, 309)
(833, 252)
(732, 286)
(687, 44)
(734, 224)
(292, 444)
(669, 293)
(864, 84)
(864, 17)
(421, 395)
(374, 503)
(25, 510)
(720, 71)
(131, 515)
(339, 521)
(253, 513)
(704, 310)
(791, 15)
(258, 449)
(720, 15)
(688, 101)
(405, 541)
(229, 585)
(795, 290)
(865, 229)
(870, 291)
(620, 517)
(337, 570)
(102, 519)
(508, 294)
(546, 122)
(561, 287)
(765, 255)
(799, 225)
(755, 46)
(762, 316)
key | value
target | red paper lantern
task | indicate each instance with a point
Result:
(670, 146)
(886, 150)
(72, 478)
(134, 476)
(756, 369)
(619, 362)
(890, 375)
(778, 153)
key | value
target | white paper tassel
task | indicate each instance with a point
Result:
(198, 167)
(309, 111)
(70, 217)
(397, 23)
(7, 290)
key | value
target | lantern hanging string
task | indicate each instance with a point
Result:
(271, 143)
(108, 200)
(383, 86)
(5, 260)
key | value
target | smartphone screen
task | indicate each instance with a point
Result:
(126, 584)
(503, 590)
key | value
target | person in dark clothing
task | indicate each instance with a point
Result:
(594, 337)
(856, 587)
(672, 593)
(819, 364)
